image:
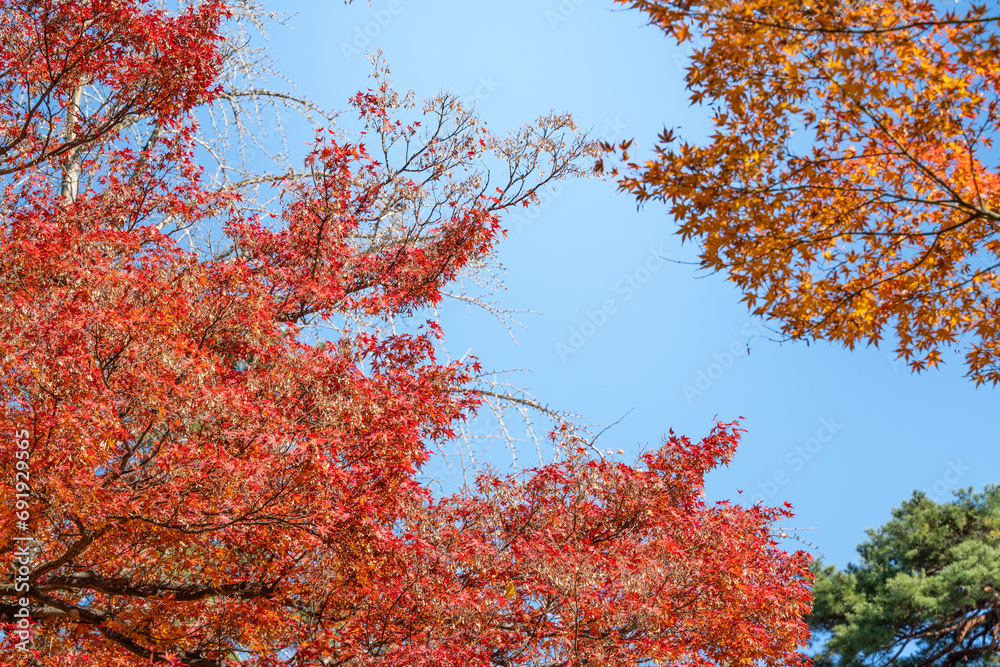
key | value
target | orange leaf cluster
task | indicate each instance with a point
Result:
(850, 185)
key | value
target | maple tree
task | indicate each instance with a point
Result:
(205, 485)
(849, 185)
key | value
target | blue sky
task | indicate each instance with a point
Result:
(843, 436)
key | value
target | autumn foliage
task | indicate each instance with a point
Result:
(145, 62)
(849, 186)
(208, 487)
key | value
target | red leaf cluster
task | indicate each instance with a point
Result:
(206, 488)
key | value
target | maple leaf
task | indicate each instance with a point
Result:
(847, 186)
(207, 483)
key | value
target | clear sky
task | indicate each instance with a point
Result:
(843, 436)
